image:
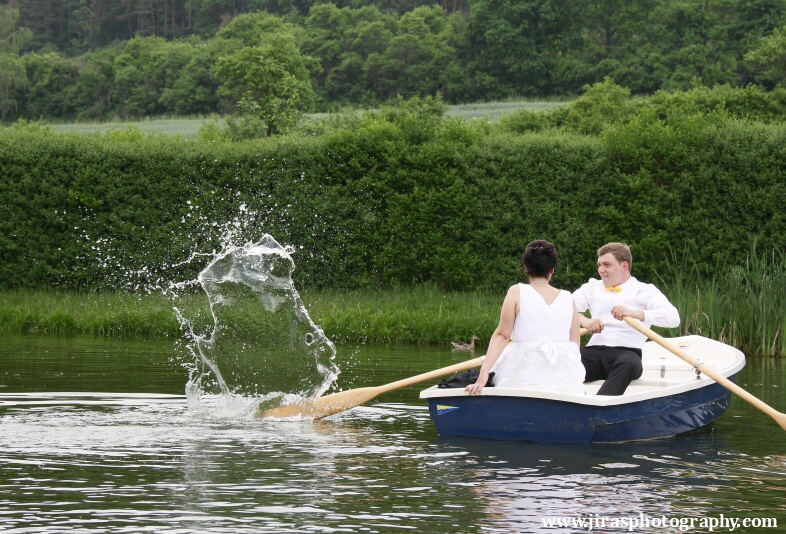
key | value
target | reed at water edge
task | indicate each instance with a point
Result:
(742, 304)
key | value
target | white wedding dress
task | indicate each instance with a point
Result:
(541, 356)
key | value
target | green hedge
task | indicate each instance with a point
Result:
(387, 201)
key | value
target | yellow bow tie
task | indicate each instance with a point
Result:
(613, 289)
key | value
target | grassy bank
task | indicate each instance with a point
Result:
(743, 304)
(98, 314)
(419, 315)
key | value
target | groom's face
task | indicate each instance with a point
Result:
(612, 271)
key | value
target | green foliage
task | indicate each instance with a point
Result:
(13, 84)
(602, 104)
(418, 118)
(148, 76)
(268, 77)
(138, 76)
(515, 47)
(271, 86)
(423, 314)
(524, 120)
(153, 76)
(211, 132)
(769, 56)
(92, 95)
(388, 199)
(12, 37)
(191, 86)
(108, 315)
(740, 302)
(13, 78)
(751, 102)
(48, 76)
(607, 104)
(692, 185)
(118, 60)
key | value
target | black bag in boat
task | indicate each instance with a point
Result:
(462, 380)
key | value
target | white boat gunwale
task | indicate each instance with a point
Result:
(678, 376)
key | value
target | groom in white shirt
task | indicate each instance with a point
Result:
(613, 353)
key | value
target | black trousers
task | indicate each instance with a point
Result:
(616, 365)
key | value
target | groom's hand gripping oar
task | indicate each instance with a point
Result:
(344, 400)
(779, 417)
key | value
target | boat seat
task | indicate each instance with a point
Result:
(640, 384)
(658, 382)
(676, 366)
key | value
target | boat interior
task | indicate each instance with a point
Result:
(664, 374)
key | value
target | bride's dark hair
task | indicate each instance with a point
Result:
(539, 258)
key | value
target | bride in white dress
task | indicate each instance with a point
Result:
(536, 345)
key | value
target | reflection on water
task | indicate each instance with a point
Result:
(84, 363)
(686, 477)
(74, 458)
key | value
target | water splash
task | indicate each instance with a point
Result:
(248, 340)
(263, 349)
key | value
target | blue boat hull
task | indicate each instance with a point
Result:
(553, 421)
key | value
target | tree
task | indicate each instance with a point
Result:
(769, 57)
(612, 24)
(194, 90)
(267, 76)
(343, 39)
(602, 104)
(92, 94)
(50, 77)
(136, 81)
(12, 37)
(13, 78)
(151, 76)
(417, 58)
(13, 82)
(516, 45)
(271, 84)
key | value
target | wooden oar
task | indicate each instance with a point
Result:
(779, 417)
(344, 400)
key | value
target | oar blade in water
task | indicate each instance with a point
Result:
(325, 406)
(338, 402)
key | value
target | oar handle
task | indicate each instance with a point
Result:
(779, 417)
(436, 373)
(344, 400)
(463, 366)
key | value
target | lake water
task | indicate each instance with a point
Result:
(97, 436)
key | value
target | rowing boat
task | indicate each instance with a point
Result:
(671, 397)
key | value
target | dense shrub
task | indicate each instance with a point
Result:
(751, 102)
(389, 199)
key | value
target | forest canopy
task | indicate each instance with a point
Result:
(91, 59)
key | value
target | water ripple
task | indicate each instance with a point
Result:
(84, 462)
